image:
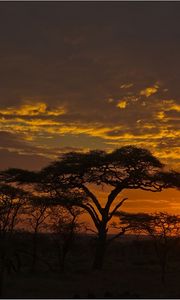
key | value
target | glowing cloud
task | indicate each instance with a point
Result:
(122, 104)
(160, 115)
(149, 127)
(126, 85)
(32, 109)
(149, 91)
(171, 105)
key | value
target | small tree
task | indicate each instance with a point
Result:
(37, 214)
(12, 200)
(64, 225)
(163, 228)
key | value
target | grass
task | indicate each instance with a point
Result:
(127, 273)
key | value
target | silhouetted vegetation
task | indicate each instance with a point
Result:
(64, 226)
(40, 216)
(162, 228)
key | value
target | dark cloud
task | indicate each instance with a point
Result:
(78, 55)
(60, 49)
(18, 153)
(15, 160)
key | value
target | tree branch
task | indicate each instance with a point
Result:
(93, 197)
(116, 208)
(112, 196)
(95, 213)
(91, 213)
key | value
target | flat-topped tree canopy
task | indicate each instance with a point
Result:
(36, 186)
(20, 176)
(128, 167)
(7, 191)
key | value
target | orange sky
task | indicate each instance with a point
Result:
(141, 201)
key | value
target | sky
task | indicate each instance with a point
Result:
(77, 76)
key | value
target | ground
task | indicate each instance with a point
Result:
(131, 270)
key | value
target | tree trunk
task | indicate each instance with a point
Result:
(60, 258)
(164, 267)
(2, 271)
(64, 253)
(34, 251)
(100, 248)
(163, 274)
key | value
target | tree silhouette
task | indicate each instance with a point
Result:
(64, 226)
(36, 217)
(162, 227)
(70, 180)
(125, 168)
(12, 200)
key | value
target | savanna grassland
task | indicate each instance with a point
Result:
(131, 270)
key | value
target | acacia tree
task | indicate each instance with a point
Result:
(12, 199)
(36, 217)
(125, 168)
(70, 180)
(64, 225)
(163, 228)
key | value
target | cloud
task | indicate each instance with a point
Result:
(126, 85)
(32, 109)
(106, 128)
(170, 104)
(18, 152)
(122, 104)
(28, 161)
(160, 115)
(68, 84)
(147, 92)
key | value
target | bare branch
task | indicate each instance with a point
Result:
(92, 196)
(116, 208)
(88, 204)
(112, 196)
(91, 213)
